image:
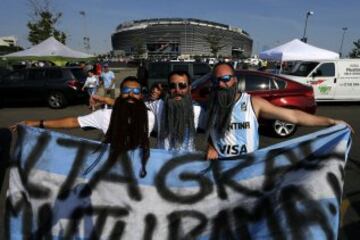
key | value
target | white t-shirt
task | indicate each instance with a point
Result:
(188, 144)
(91, 82)
(100, 119)
(242, 136)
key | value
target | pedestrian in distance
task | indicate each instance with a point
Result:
(108, 79)
(91, 85)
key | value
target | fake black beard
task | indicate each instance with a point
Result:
(220, 108)
(128, 126)
(177, 118)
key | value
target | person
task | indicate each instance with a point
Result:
(126, 125)
(108, 80)
(176, 116)
(100, 119)
(233, 116)
(142, 74)
(91, 85)
(157, 91)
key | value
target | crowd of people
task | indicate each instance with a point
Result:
(230, 121)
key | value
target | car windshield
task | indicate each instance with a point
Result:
(302, 69)
(200, 81)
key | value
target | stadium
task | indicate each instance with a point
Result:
(179, 37)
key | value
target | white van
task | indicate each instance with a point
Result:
(332, 80)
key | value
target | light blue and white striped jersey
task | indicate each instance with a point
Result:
(242, 135)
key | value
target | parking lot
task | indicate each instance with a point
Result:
(350, 112)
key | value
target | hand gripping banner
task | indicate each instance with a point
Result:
(64, 187)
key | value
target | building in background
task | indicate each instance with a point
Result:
(175, 38)
(8, 41)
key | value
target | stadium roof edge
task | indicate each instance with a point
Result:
(143, 23)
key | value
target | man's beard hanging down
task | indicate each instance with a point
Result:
(177, 118)
(220, 107)
(129, 128)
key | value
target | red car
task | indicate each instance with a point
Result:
(276, 89)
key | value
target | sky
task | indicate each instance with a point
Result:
(269, 22)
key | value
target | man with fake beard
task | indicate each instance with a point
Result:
(130, 96)
(176, 116)
(233, 116)
(126, 126)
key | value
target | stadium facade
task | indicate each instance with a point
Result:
(179, 37)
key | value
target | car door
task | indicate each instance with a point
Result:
(11, 86)
(323, 80)
(34, 84)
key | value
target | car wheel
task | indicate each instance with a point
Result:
(283, 129)
(57, 100)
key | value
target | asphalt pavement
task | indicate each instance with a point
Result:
(349, 112)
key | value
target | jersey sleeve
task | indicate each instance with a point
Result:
(99, 119)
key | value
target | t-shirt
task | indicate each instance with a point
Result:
(100, 119)
(107, 78)
(242, 135)
(188, 144)
(91, 82)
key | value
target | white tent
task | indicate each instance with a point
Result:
(50, 49)
(297, 50)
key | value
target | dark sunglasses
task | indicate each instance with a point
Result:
(180, 85)
(128, 90)
(225, 78)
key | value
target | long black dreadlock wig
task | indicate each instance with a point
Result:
(128, 130)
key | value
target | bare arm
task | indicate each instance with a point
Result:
(266, 110)
(69, 122)
(96, 100)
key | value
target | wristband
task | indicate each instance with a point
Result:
(41, 124)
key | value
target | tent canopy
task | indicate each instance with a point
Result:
(51, 50)
(297, 50)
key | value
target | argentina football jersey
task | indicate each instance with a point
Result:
(242, 134)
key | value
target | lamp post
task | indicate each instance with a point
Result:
(342, 40)
(86, 38)
(309, 13)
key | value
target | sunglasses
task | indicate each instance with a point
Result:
(128, 90)
(225, 78)
(180, 85)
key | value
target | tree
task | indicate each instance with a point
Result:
(214, 39)
(43, 22)
(355, 52)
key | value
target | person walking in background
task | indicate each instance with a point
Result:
(108, 79)
(91, 85)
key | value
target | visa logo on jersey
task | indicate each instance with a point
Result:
(233, 149)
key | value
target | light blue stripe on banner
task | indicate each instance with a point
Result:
(60, 160)
(258, 230)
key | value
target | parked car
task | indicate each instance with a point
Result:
(159, 71)
(278, 90)
(54, 85)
